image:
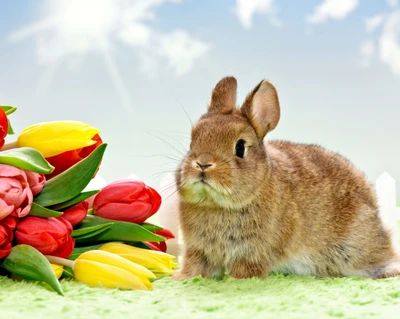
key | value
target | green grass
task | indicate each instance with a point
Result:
(276, 296)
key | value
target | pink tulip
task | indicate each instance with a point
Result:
(7, 226)
(127, 200)
(77, 213)
(36, 182)
(15, 194)
(51, 236)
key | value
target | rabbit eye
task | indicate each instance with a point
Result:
(239, 149)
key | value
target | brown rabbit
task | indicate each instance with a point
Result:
(251, 207)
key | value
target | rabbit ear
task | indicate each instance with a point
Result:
(262, 109)
(223, 98)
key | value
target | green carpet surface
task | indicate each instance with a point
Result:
(276, 296)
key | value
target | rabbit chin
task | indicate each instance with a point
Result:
(204, 193)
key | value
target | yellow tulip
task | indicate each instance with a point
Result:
(53, 138)
(101, 268)
(58, 270)
(161, 264)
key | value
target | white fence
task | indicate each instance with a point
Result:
(385, 188)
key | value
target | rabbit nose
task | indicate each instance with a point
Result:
(203, 167)
(202, 162)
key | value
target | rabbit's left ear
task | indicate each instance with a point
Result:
(262, 109)
(223, 97)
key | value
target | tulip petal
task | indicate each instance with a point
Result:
(5, 209)
(124, 191)
(65, 136)
(26, 205)
(10, 221)
(96, 274)
(12, 191)
(135, 212)
(3, 126)
(156, 200)
(153, 246)
(77, 213)
(36, 182)
(33, 225)
(112, 259)
(11, 171)
(43, 242)
(65, 160)
(165, 233)
(66, 249)
(58, 270)
(5, 250)
(4, 234)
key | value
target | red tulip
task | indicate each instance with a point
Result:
(65, 160)
(15, 194)
(7, 226)
(77, 213)
(166, 233)
(160, 246)
(51, 236)
(127, 200)
(3, 127)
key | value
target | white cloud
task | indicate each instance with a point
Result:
(332, 9)
(181, 50)
(367, 50)
(177, 48)
(70, 29)
(389, 42)
(371, 24)
(245, 10)
(392, 3)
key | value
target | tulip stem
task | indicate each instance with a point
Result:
(60, 261)
(9, 146)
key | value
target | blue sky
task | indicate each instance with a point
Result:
(130, 67)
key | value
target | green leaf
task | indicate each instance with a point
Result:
(10, 130)
(74, 201)
(85, 232)
(68, 273)
(8, 109)
(40, 211)
(119, 231)
(71, 182)
(151, 227)
(28, 263)
(26, 158)
(80, 250)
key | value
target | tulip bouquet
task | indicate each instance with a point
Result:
(51, 228)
